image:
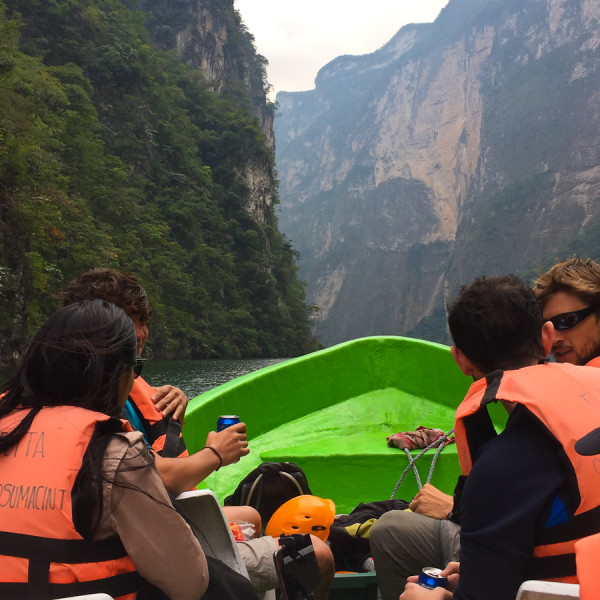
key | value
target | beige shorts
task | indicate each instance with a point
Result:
(257, 555)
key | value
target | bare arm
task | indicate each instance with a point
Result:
(432, 503)
(184, 473)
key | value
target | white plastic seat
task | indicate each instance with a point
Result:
(547, 590)
(202, 511)
(89, 597)
(205, 516)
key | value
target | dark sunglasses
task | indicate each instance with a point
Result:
(570, 319)
(137, 368)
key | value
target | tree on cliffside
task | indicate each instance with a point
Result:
(114, 153)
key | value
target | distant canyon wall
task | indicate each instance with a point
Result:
(461, 148)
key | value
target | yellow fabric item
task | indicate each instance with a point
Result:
(362, 530)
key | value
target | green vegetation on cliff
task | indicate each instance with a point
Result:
(114, 153)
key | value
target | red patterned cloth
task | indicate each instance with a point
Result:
(421, 437)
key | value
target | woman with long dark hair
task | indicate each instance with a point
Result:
(82, 508)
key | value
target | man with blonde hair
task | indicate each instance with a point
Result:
(570, 296)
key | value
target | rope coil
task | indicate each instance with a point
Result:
(439, 443)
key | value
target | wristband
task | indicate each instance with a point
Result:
(216, 454)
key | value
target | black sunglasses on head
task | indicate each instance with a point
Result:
(137, 368)
(570, 319)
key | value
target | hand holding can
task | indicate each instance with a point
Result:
(431, 577)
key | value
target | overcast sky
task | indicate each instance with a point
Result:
(298, 38)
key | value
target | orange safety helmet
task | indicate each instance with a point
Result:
(302, 514)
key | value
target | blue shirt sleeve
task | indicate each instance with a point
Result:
(508, 496)
(135, 422)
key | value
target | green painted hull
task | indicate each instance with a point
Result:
(330, 412)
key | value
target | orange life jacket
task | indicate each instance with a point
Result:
(595, 362)
(163, 433)
(587, 551)
(566, 399)
(41, 553)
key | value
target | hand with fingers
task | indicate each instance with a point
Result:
(170, 401)
(430, 502)
(413, 591)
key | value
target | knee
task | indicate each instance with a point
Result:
(389, 531)
(244, 513)
(380, 531)
(251, 515)
(324, 558)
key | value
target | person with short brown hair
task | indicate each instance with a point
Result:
(525, 496)
(124, 290)
(180, 472)
(153, 411)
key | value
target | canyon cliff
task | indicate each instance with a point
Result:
(463, 147)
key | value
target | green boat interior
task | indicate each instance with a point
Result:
(331, 411)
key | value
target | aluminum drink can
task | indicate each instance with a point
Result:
(227, 421)
(430, 578)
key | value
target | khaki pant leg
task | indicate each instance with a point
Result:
(402, 543)
(257, 555)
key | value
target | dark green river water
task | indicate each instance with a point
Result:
(197, 376)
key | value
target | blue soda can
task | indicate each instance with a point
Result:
(430, 578)
(226, 421)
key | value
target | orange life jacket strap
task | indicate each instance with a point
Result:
(554, 554)
(163, 433)
(115, 586)
(60, 551)
(580, 526)
(556, 567)
(38, 577)
(558, 549)
(41, 552)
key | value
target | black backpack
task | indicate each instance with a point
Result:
(350, 545)
(268, 486)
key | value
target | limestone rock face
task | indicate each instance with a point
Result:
(203, 41)
(461, 148)
(213, 40)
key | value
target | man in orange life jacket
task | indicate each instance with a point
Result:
(526, 496)
(153, 412)
(158, 412)
(570, 297)
(587, 549)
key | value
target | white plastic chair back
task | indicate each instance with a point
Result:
(547, 590)
(89, 597)
(206, 518)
